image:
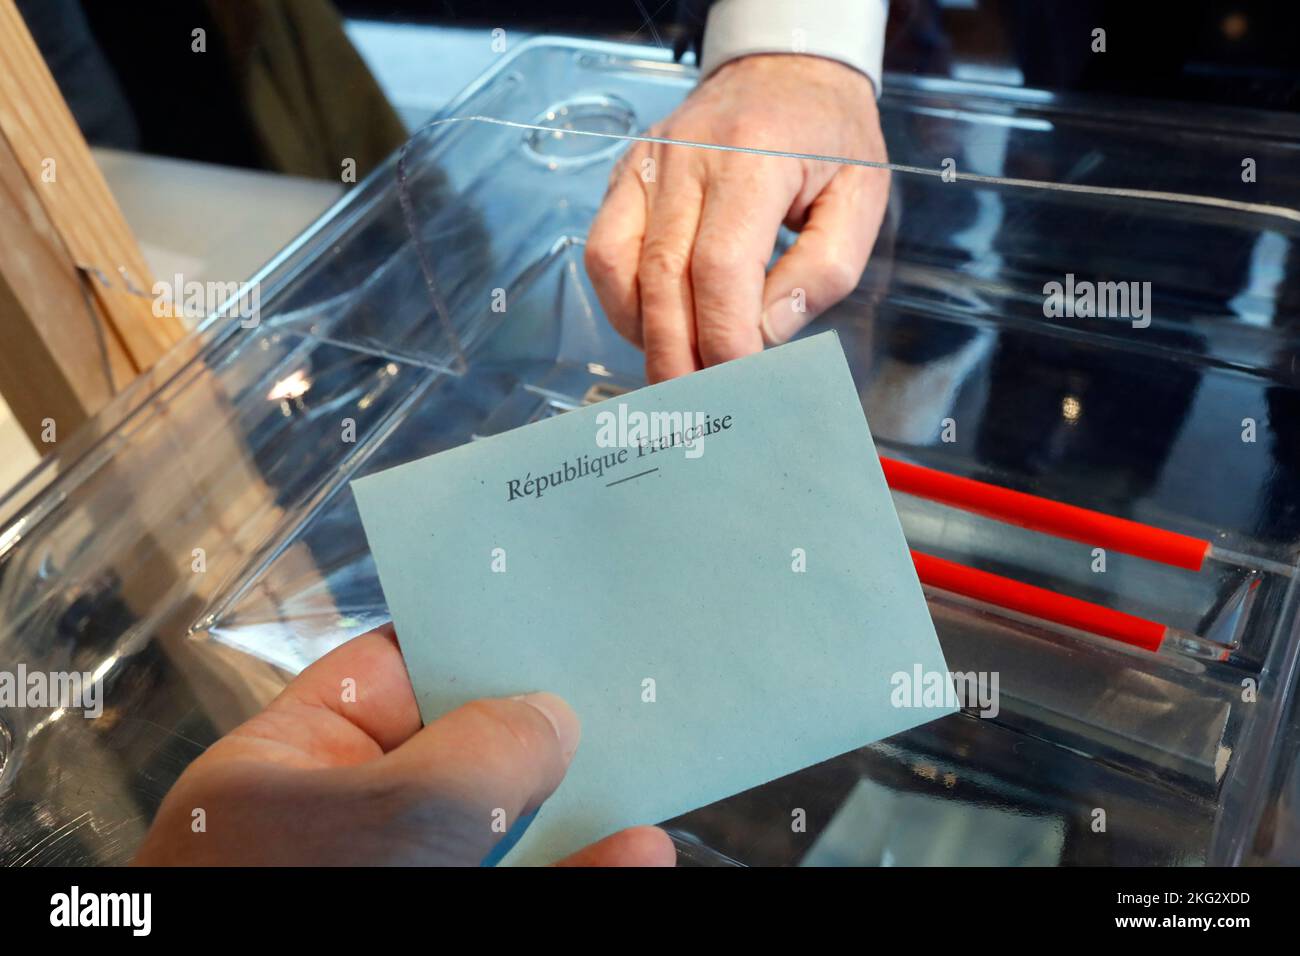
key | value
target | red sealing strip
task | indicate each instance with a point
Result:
(1038, 602)
(1050, 517)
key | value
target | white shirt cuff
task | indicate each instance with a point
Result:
(850, 31)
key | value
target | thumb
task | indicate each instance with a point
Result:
(826, 261)
(494, 759)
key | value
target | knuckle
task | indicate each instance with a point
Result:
(841, 276)
(713, 262)
(597, 257)
(660, 262)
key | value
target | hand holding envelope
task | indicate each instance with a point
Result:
(718, 620)
(701, 670)
(338, 771)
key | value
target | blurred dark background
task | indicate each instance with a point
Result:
(288, 85)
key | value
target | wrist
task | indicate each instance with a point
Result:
(850, 32)
(800, 68)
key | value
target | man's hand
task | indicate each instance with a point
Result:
(325, 777)
(679, 250)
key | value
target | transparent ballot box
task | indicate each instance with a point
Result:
(197, 543)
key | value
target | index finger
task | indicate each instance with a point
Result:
(381, 702)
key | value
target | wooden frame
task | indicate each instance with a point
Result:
(77, 314)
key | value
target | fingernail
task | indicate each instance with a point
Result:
(562, 718)
(780, 321)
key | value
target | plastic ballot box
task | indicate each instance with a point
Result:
(1077, 356)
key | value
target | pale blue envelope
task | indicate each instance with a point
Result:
(721, 611)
